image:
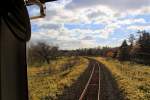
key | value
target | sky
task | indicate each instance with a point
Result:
(73, 24)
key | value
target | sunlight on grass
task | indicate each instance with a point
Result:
(133, 79)
(49, 81)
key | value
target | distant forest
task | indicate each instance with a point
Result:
(135, 49)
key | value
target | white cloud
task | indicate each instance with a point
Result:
(140, 11)
(135, 27)
(111, 13)
(131, 21)
(116, 4)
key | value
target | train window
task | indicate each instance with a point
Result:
(35, 9)
(89, 50)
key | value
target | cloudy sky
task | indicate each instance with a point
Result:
(73, 24)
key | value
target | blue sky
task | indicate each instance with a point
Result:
(73, 24)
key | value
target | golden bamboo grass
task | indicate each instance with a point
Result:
(133, 79)
(42, 86)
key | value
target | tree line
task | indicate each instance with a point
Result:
(131, 49)
(138, 50)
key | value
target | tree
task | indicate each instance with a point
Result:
(131, 40)
(141, 51)
(144, 41)
(109, 53)
(115, 54)
(123, 53)
(42, 52)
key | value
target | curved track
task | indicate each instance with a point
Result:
(99, 84)
(92, 88)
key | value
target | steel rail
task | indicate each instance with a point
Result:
(99, 82)
(93, 84)
(86, 87)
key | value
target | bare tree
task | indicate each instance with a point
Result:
(131, 39)
(42, 52)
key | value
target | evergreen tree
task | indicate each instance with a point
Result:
(144, 41)
(123, 53)
(141, 50)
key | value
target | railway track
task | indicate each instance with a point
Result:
(99, 85)
(92, 88)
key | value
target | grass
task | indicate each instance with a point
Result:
(48, 82)
(133, 79)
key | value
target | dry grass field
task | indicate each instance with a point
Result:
(49, 81)
(133, 79)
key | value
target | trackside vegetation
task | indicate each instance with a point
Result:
(133, 79)
(49, 81)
